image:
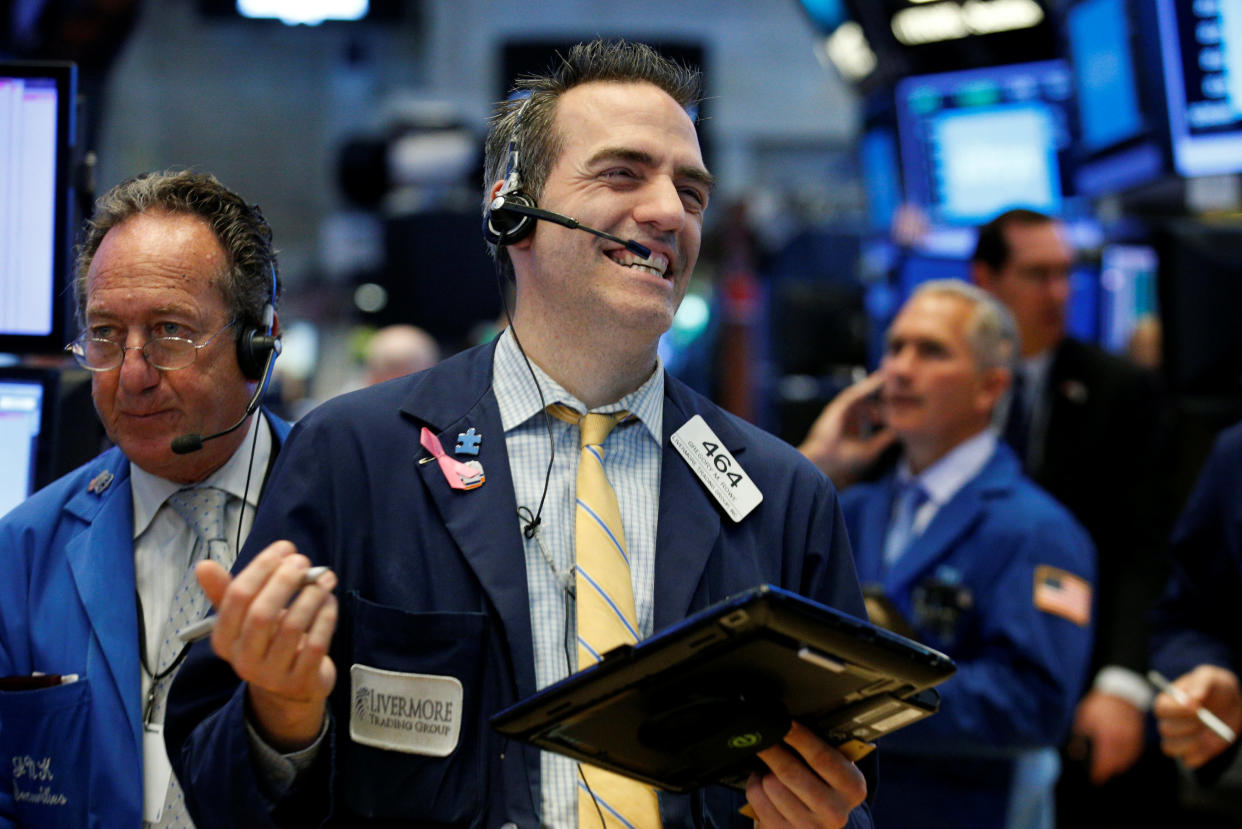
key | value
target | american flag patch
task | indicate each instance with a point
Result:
(1063, 594)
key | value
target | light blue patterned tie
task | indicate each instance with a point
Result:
(910, 497)
(203, 510)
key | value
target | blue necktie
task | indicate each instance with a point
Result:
(910, 496)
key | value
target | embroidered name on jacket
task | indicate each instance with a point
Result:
(411, 713)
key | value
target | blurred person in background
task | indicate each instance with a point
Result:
(397, 350)
(957, 548)
(1088, 427)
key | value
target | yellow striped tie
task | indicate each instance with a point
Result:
(606, 616)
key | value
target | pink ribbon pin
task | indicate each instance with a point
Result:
(468, 475)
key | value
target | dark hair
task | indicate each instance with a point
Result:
(992, 249)
(536, 97)
(240, 228)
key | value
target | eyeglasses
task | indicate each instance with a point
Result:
(164, 353)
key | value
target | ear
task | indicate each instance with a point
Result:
(275, 323)
(994, 382)
(982, 275)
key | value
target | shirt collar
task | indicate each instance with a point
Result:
(1035, 371)
(151, 491)
(518, 398)
(959, 466)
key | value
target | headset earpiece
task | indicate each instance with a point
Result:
(253, 347)
(505, 227)
(255, 343)
(501, 226)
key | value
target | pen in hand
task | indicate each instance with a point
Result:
(203, 627)
(1213, 722)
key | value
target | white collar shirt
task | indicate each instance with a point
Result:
(163, 542)
(944, 478)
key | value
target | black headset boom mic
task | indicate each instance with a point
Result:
(193, 441)
(510, 231)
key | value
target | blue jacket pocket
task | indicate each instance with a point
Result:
(45, 754)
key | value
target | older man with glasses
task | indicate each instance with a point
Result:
(176, 289)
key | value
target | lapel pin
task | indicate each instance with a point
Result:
(468, 442)
(464, 476)
(475, 478)
(100, 483)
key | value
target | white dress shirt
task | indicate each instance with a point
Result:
(163, 542)
(942, 480)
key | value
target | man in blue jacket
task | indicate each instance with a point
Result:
(964, 553)
(461, 592)
(176, 288)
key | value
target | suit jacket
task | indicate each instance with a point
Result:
(1196, 622)
(1102, 455)
(433, 583)
(71, 755)
(966, 586)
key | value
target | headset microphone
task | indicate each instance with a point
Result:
(517, 204)
(193, 441)
(257, 349)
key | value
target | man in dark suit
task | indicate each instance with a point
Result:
(460, 589)
(1087, 426)
(1196, 639)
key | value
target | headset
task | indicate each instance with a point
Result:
(511, 215)
(255, 344)
(257, 350)
(502, 225)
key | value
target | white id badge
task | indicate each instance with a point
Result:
(156, 772)
(717, 468)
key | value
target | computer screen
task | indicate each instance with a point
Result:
(881, 176)
(1103, 69)
(1127, 292)
(27, 403)
(1201, 49)
(976, 142)
(1118, 89)
(36, 122)
(305, 12)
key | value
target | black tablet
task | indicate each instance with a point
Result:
(692, 705)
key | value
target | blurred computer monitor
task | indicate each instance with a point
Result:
(36, 120)
(28, 398)
(976, 142)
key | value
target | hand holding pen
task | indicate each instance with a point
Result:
(203, 627)
(1199, 714)
(274, 629)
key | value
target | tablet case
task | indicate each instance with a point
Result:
(692, 705)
